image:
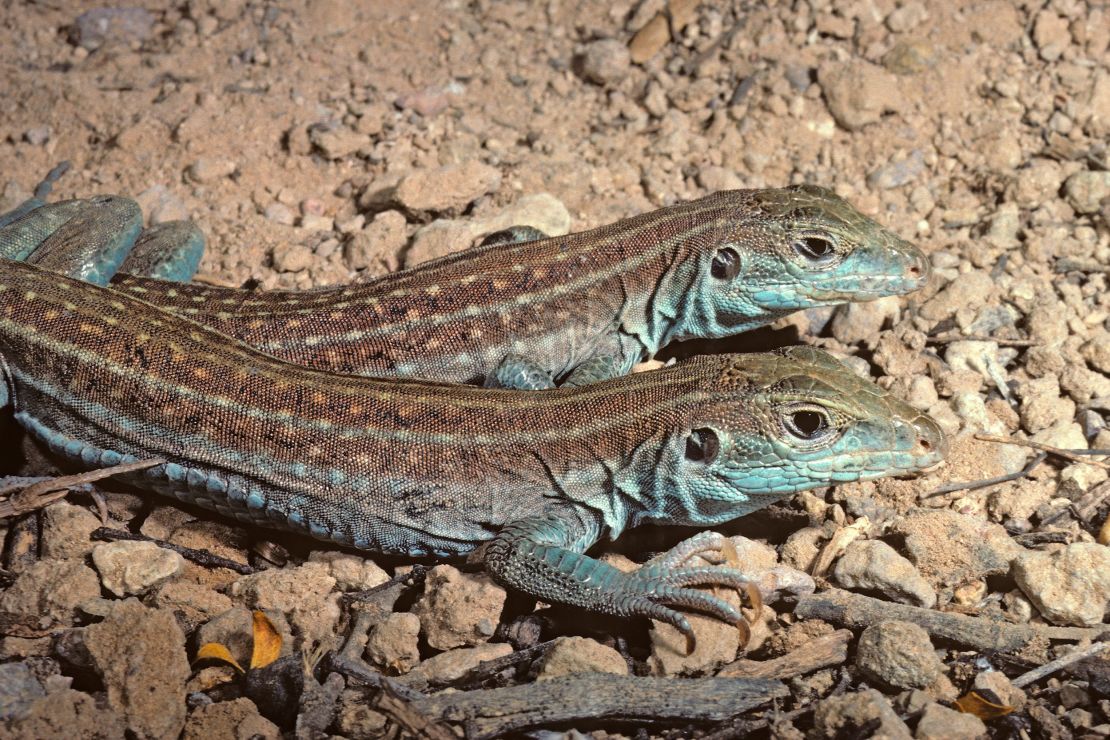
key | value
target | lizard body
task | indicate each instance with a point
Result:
(610, 296)
(399, 466)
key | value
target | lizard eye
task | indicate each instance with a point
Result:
(807, 424)
(815, 248)
(726, 264)
(702, 446)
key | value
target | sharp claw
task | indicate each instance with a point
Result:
(745, 633)
(755, 597)
(731, 554)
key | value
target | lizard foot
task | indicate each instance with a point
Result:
(717, 550)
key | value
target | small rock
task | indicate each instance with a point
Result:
(717, 643)
(541, 211)
(439, 238)
(970, 290)
(66, 713)
(1086, 190)
(193, 603)
(860, 322)
(161, 205)
(394, 644)
(315, 222)
(140, 656)
(428, 102)
(100, 26)
(66, 531)
(351, 572)
(130, 568)
(447, 189)
(304, 594)
(237, 719)
(279, 213)
(459, 609)
(938, 722)
(1051, 35)
(848, 715)
(873, 565)
(1070, 586)
(571, 655)
(337, 143)
(353, 719)
(898, 173)
(606, 62)
(37, 136)
(858, 92)
(454, 664)
(379, 244)
(18, 690)
(898, 654)
(210, 169)
(51, 589)
(292, 258)
(907, 17)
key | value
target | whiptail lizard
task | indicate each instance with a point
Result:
(527, 313)
(102, 378)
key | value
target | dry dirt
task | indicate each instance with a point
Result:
(313, 142)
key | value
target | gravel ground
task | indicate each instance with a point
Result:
(319, 143)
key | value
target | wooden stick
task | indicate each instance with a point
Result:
(855, 611)
(816, 654)
(600, 698)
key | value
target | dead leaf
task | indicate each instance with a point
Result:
(267, 641)
(218, 652)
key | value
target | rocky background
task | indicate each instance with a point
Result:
(324, 142)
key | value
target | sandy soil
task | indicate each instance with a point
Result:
(976, 128)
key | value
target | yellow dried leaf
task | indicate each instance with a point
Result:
(976, 704)
(267, 641)
(218, 652)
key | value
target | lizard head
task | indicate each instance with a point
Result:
(783, 422)
(796, 248)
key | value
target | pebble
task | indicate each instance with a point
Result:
(571, 655)
(454, 664)
(279, 213)
(938, 722)
(1085, 191)
(379, 243)
(140, 656)
(67, 530)
(130, 568)
(447, 190)
(18, 690)
(1070, 586)
(459, 609)
(858, 93)
(606, 62)
(51, 590)
(898, 173)
(37, 136)
(305, 595)
(99, 26)
(898, 655)
(873, 565)
(395, 643)
(210, 169)
(237, 718)
(292, 258)
(860, 713)
(337, 143)
(314, 222)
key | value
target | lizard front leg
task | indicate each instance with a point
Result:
(544, 557)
